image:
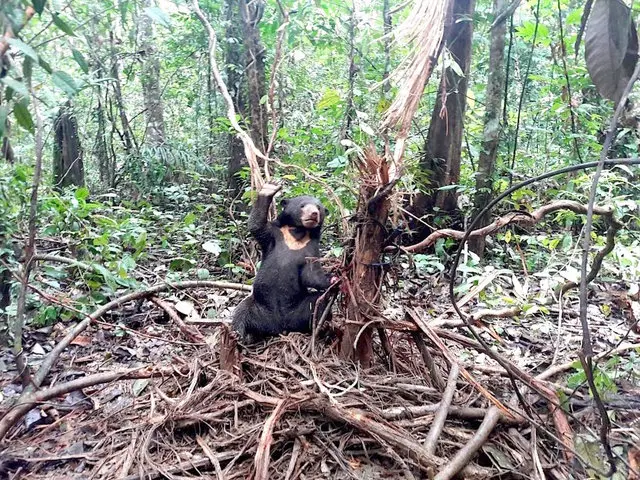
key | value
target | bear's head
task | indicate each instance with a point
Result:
(304, 211)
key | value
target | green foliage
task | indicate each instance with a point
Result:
(429, 264)
(64, 82)
(62, 24)
(603, 377)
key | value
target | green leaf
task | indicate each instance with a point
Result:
(82, 193)
(64, 82)
(23, 116)
(338, 162)
(27, 67)
(80, 60)
(38, 6)
(24, 48)
(4, 111)
(45, 66)
(101, 241)
(190, 218)
(203, 274)
(62, 25)
(157, 15)
(180, 263)
(108, 277)
(16, 86)
(329, 99)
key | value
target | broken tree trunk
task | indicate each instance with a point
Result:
(68, 168)
(379, 175)
(366, 267)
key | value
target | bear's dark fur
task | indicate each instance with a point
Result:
(281, 301)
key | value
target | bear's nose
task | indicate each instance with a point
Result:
(314, 215)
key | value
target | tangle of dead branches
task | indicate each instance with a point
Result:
(513, 371)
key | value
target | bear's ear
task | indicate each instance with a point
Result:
(284, 202)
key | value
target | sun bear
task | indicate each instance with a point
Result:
(281, 301)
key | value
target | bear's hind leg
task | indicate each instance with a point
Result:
(244, 320)
(301, 319)
(253, 322)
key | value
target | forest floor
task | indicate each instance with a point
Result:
(297, 413)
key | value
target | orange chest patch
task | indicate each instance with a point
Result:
(292, 242)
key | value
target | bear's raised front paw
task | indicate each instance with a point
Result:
(269, 189)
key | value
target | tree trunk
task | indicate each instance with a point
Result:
(492, 128)
(350, 109)
(211, 92)
(443, 148)
(7, 151)
(366, 269)
(387, 24)
(234, 71)
(251, 14)
(128, 140)
(68, 168)
(100, 148)
(150, 80)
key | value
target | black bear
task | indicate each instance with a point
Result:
(281, 301)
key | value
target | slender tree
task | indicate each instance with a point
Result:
(151, 81)
(254, 51)
(100, 147)
(234, 72)
(128, 140)
(491, 137)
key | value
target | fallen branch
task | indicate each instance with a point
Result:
(29, 401)
(559, 418)
(483, 313)
(427, 358)
(211, 456)
(441, 415)
(450, 358)
(517, 218)
(556, 369)
(466, 453)
(194, 335)
(396, 437)
(183, 467)
(264, 446)
(69, 261)
(53, 355)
